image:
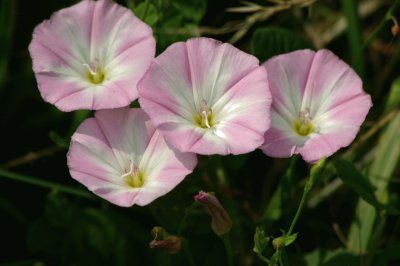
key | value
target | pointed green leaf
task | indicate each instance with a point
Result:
(260, 241)
(394, 97)
(287, 240)
(356, 181)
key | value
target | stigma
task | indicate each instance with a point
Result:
(303, 125)
(95, 74)
(204, 118)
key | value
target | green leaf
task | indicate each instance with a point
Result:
(260, 241)
(394, 96)
(287, 240)
(58, 140)
(149, 16)
(356, 181)
(323, 257)
(191, 10)
(270, 41)
(364, 231)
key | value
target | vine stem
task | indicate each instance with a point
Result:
(228, 248)
(43, 183)
(315, 170)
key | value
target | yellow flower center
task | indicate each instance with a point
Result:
(303, 126)
(94, 73)
(205, 117)
(134, 178)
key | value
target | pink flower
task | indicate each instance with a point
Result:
(91, 56)
(318, 105)
(121, 157)
(207, 97)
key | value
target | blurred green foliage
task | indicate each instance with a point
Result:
(354, 223)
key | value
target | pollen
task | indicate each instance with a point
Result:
(135, 180)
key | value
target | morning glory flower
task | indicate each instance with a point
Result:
(91, 56)
(121, 157)
(318, 105)
(207, 97)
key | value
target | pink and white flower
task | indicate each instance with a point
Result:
(318, 105)
(207, 97)
(91, 56)
(121, 157)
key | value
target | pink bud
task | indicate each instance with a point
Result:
(171, 244)
(221, 223)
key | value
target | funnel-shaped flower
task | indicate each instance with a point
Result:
(121, 157)
(318, 105)
(207, 97)
(91, 56)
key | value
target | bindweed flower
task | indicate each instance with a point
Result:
(318, 105)
(121, 157)
(221, 222)
(91, 56)
(207, 97)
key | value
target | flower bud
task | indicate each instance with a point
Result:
(221, 223)
(171, 244)
(278, 243)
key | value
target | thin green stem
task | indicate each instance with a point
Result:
(309, 183)
(46, 184)
(185, 216)
(228, 248)
(263, 259)
(187, 252)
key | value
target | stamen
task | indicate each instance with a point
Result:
(303, 126)
(95, 74)
(134, 178)
(204, 117)
(131, 169)
(93, 67)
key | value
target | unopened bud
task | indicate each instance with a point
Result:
(171, 244)
(221, 223)
(278, 243)
(158, 232)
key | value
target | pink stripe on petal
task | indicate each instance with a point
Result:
(215, 67)
(352, 111)
(278, 144)
(330, 82)
(326, 144)
(287, 76)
